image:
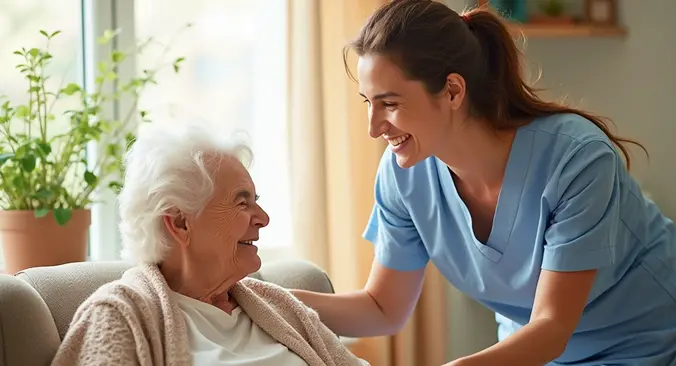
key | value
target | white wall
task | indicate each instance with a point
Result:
(632, 81)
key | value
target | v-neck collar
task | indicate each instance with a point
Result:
(509, 198)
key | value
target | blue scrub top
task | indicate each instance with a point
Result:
(567, 204)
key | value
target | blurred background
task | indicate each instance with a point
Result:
(274, 68)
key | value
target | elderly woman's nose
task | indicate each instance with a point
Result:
(261, 218)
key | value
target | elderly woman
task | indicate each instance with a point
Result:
(190, 219)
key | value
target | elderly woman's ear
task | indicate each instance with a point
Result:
(178, 227)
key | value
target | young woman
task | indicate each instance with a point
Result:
(523, 204)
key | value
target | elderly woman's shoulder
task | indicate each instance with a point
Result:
(273, 295)
(128, 293)
(264, 288)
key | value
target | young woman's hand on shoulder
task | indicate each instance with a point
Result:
(380, 308)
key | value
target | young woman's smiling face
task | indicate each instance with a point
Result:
(414, 122)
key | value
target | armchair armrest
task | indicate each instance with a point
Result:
(295, 274)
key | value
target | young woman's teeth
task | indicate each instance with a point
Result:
(399, 140)
(247, 242)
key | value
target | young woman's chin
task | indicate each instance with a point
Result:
(407, 153)
(406, 161)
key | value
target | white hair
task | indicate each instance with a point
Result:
(165, 170)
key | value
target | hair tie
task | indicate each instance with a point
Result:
(465, 18)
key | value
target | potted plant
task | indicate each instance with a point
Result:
(552, 12)
(47, 185)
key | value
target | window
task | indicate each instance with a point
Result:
(234, 76)
(20, 23)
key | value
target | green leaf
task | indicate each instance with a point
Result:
(118, 56)
(45, 147)
(22, 150)
(44, 33)
(71, 89)
(28, 163)
(4, 157)
(90, 178)
(116, 187)
(54, 33)
(102, 67)
(44, 194)
(34, 52)
(131, 139)
(41, 212)
(177, 63)
(108, 35)
(62, 215)
(112, 150)
(18, 182)
(22, 111)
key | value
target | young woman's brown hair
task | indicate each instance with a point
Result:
(429, 41)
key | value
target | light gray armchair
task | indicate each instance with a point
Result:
(37, 305)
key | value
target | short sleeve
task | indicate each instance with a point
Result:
(585, 219)
(397, 243)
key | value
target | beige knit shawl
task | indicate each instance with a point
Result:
(136, 321)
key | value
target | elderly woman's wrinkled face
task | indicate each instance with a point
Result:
(220, 239)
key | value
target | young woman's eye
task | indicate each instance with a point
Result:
(366, 101)
(389, 105)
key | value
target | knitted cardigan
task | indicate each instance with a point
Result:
(136, 321)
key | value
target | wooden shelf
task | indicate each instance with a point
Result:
(567, 31)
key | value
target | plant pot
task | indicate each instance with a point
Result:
(28, 241)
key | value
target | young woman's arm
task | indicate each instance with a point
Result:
(559, 302)
(381, 308)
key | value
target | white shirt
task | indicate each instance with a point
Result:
(221, 339)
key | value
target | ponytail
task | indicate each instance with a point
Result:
(512, 98)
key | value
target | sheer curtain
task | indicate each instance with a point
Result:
(333, 166)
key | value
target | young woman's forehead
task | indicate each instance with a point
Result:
(378, 75)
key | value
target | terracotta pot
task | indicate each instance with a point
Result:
(28, 241)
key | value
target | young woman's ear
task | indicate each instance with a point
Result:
(455, 90)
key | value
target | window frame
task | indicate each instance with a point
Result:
(98, 16)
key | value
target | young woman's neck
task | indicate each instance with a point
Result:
(477, 154)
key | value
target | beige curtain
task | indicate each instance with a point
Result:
(333, 162)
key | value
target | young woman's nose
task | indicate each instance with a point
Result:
(377, 125)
